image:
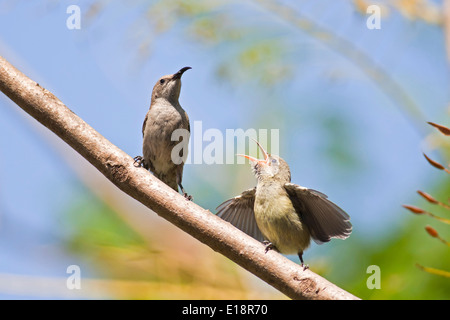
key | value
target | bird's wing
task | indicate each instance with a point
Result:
(188, 122)
(239, 212)
(145, 122)
(324, 219)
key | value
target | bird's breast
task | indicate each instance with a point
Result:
(166, 118)
(278, 221)
(159, 137)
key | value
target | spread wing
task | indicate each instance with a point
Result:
(240, 213)
(324, 219)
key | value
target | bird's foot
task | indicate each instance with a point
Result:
(269, 246)
(300, 255)
(138, 161)
(188, 197)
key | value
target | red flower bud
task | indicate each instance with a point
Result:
(414, 209)
(442, 129)
(432, 232)
(427, 197)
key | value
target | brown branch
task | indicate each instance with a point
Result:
(117, 166)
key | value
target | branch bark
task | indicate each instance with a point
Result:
(278, 271)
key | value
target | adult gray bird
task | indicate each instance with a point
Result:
(166, 132)
(283, 215)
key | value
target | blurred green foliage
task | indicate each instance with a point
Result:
(119, 252)
(157, 266)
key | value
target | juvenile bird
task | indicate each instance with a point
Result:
(283, 215)
(164, 117)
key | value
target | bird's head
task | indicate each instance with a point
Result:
(272, 167)
(169, 87)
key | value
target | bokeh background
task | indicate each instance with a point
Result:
(351, 105)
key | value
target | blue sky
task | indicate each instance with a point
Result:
(94, 71)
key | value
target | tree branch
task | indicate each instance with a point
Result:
(117, 166)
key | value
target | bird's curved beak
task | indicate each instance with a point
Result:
(180, 73)
(252, 159)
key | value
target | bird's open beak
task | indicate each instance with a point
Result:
(180, 73)
(252, 159)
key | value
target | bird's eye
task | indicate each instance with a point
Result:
(162, 81)
(274, 161)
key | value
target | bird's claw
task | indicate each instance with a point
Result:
(305, 266)
(269, 246)
(188, 197)
(138, 161)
